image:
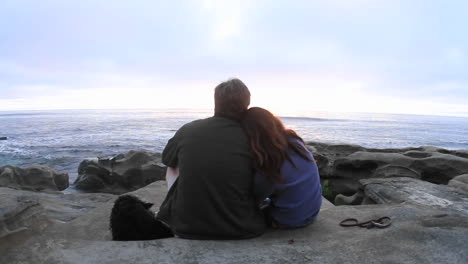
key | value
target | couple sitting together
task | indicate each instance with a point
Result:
(232, 175)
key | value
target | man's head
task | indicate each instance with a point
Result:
(232, 98)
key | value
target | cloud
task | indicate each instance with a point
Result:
(327, 51)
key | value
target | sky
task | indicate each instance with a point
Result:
(382, 56)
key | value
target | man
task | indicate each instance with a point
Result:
(212, 197)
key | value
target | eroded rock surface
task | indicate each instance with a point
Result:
(418, 234)
(120, 174)
(56, 206)
(404, 190)
(344, 165)
(35, 178)
(19, 214)
(460, 182)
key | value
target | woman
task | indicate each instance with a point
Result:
(286, 171)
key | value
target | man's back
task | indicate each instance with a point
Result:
(213, 196)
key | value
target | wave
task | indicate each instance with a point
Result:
(313, 119)
(27, 114)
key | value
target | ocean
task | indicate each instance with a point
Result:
(62, 139)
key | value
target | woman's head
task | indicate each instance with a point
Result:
(269, 141)
(261, 126)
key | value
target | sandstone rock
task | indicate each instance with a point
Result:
(460, 182)
(36, 178)
(439, 168)
(345, 165)
(389, 171)
(120, 174)
(461, 153)
(413, 191)
(56, 206)
(326, 204)
(418, 234)
(355, 199)
(326, 154)
(19, 214)
(363, 164)
(28, 216)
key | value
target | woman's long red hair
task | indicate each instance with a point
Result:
(269, 141)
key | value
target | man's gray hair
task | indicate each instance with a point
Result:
(232, 98)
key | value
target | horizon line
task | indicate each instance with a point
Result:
(462, 115)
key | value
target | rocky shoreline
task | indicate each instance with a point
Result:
(343, 166)
(424, 190)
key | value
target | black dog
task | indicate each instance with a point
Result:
(131, 219)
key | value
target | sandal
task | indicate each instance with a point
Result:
(382, 222)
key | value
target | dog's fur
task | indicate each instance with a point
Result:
(131, 219)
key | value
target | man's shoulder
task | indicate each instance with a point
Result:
(196, 123)
(208, 122)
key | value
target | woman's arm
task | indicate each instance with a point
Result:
(262, 187)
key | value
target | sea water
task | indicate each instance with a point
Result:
(62, 139)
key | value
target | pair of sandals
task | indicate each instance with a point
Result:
(382, 222)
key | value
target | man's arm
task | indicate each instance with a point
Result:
(171, 176)
(170, 152)
(171, 160)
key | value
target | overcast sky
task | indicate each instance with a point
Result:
(393, 56)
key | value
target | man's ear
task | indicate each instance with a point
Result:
(147, 205)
